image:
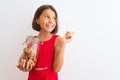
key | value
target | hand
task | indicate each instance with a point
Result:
(68, 36)
(25, 66)
(30, 64)
(21, 65)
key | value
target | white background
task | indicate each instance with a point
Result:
(94, 53)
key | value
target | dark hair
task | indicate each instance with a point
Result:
(38, 13)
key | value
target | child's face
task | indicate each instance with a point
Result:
(47, 20)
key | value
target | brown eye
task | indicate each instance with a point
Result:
(46, 17)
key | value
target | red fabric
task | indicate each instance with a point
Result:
(46, 53)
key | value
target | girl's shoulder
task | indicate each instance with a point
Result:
(59, 40)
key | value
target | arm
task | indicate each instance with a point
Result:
(59, 54)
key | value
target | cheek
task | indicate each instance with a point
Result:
(42, 22)
(55, 23)
(54, 26)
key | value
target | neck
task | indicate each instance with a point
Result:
(44, 36)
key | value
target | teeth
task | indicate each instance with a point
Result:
(49, 26)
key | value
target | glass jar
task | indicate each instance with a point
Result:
(30, 53)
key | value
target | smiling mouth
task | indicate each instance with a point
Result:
(49, 26)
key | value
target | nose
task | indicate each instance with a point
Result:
(51, 20)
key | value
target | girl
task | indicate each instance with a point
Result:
(51, 49)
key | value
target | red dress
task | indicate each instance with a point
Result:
(46, 53)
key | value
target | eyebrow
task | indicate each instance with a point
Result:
(49, 15)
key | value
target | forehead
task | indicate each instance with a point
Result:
(48, 12)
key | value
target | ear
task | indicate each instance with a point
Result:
(37, 21)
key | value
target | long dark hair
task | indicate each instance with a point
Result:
(38, 13)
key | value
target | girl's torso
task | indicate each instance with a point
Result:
(46, 51)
